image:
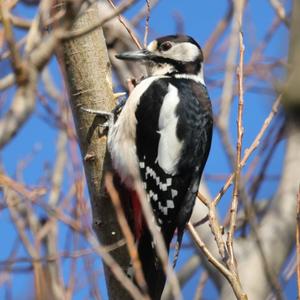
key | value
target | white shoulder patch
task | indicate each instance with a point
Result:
(169, 147)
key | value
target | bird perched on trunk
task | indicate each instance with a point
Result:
(161, 139)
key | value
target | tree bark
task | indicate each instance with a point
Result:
(88, 74)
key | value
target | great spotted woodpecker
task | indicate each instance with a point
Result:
(162, 138)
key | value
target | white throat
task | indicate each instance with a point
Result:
(161, 69)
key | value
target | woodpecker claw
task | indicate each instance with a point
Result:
(100, 113)
(118, 95)
(119, 106)
(109, 116)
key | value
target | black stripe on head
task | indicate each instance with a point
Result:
(180, 66)
(177, 39)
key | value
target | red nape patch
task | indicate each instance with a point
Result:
(137, 214)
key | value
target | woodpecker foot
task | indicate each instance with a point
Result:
(119, 106)
(108, 116)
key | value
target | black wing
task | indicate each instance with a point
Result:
(195, 128)
(172, 197)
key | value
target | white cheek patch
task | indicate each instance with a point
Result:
(161, 69)
(169, 147)
(183, 52)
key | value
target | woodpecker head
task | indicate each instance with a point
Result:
(172, 54)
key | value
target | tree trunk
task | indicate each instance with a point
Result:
(88, 74)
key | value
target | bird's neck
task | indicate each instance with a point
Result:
(195, 77)
(170, 70)
(162, 69)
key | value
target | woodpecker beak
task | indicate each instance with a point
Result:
(143, 55)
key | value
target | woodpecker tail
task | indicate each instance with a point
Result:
(152, 267)
(178, 245)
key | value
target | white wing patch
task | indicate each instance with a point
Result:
(169, 147)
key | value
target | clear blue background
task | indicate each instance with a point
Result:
(199, 20)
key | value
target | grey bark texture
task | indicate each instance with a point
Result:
(88, 74)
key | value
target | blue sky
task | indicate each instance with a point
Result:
(200, 19)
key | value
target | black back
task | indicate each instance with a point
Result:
(194, 128)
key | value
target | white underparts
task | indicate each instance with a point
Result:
(121, 142)
(169, 147)
(161, 69)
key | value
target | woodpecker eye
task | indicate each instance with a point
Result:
(165, 46)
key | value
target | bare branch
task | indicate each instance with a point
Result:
(138, 272)
(219, 30)
(143, 12)
(21, 108)
(123, 22)
(158, 241)
(252, 147)
(230, 65)
(202, 281)
(207, 253)
(97, 24)
(18, 65)
(240, 131)
(147, 23)
(280, 11)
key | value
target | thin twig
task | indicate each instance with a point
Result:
(7, 53)
(20, 188)
(280, 11)
(227, 91)
(207, 252)
(143, 12)
(121, 8)
(114, 267)
(147, 23)
(220, 28)
(20, 22)
(298, 242)
(16, 60)
(136, 263)
(123, 22)
(217, 232)
(103, 251)
(231, 276)
(200, 287)
(252, 147)
(7, 81)
(158, 241)
(12, 201)
(240, 130)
